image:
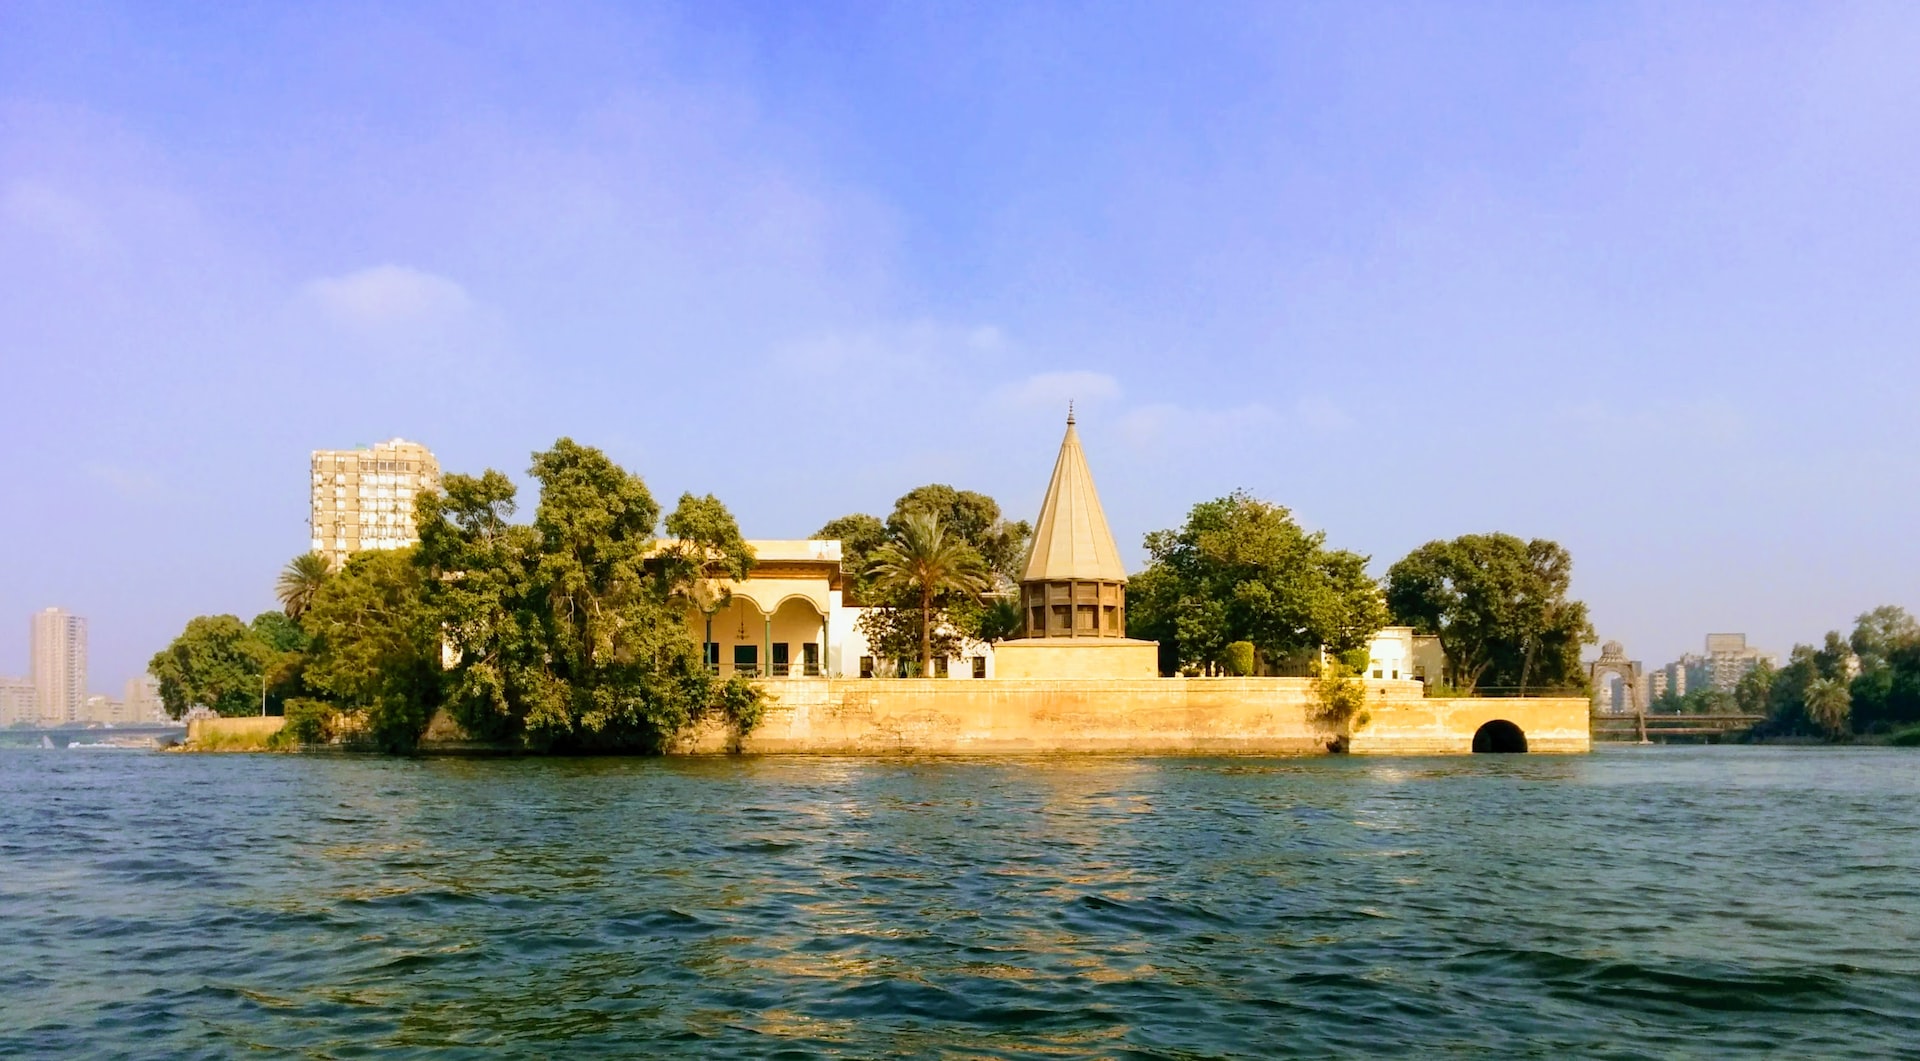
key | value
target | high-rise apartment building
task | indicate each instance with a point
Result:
(17, 701)
(363, 498)
(1728, 659)
(59, 665)
(142, 700)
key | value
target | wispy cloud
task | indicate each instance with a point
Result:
(129, 484)
(68, 221)
(388, 297)
(1053, 390)
(1321, 413)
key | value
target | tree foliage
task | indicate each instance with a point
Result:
(893, 624)
(570, 633)
(1241, 569)
(375, 648)
(299, 581)
(1500, 607)
(217, 662)
(922, 562)
(565, 634)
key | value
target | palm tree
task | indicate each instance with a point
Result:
(921, 559)
(300, 581)
(1829, 705)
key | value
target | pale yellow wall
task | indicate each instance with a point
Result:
(1441, 726)
(1237, 716)
(1084, 659)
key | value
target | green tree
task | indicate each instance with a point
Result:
(1885, 693)
(1751, 693)
(1242, 569)
(921, 561)
(859, 535)
(217, 662)
(376, 647)
(704, 549)
(568, 633)
(278, 632)
(1827, 705)
(1500, 607)
(479, 588)
(299, 581)
(973, 518)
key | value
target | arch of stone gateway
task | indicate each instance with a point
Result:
(1613, 661)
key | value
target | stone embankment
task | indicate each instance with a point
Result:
(1154, 716)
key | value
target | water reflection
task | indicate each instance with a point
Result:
(1083, 907)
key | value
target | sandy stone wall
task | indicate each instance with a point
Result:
(1230, 716)
(1404, 726)
(1083, 658)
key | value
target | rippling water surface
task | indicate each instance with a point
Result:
(1705, 901)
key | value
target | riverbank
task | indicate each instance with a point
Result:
(1154, 716)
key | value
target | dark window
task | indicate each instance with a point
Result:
(939, 666)
(866, 666)
(782, 663)
(979, 666)
(810, 659)
(746, 659)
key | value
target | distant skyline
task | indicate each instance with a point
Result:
(1638, 278)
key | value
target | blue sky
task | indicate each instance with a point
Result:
(1644, 279)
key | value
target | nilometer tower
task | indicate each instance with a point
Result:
(1073, 594)
(1074, 584)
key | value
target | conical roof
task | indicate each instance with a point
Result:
(1071, 539)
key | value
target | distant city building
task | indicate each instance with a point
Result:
(142, 700)
(59, 665)
(17, 701)
(363, 498)
(1727, 660)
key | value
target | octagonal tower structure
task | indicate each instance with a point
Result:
(1073, 593)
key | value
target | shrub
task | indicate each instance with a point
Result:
(308, 722)
(1239, 659)
(1338, 696)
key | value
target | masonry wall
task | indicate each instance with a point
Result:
(1409, 726)
(1222, 716)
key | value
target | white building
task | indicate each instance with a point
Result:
(17, 702)
(59, 665)
(363, 498)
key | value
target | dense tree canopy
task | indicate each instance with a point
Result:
(376, 646)
(217, 662)
(1864, 683)
(898, 627)
(923, 563)
(1500, 607)
(1241, 569)
(568, 633)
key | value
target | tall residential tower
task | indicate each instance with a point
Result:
(59, 665)
(363, 498)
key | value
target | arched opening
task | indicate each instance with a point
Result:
(1499, 736)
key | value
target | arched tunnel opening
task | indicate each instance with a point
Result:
(1499, 736)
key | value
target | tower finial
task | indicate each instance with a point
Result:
(1069, 412)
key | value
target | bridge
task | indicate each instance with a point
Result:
(1642, 727)
(61, 736)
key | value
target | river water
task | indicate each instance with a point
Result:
(1665, 901)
